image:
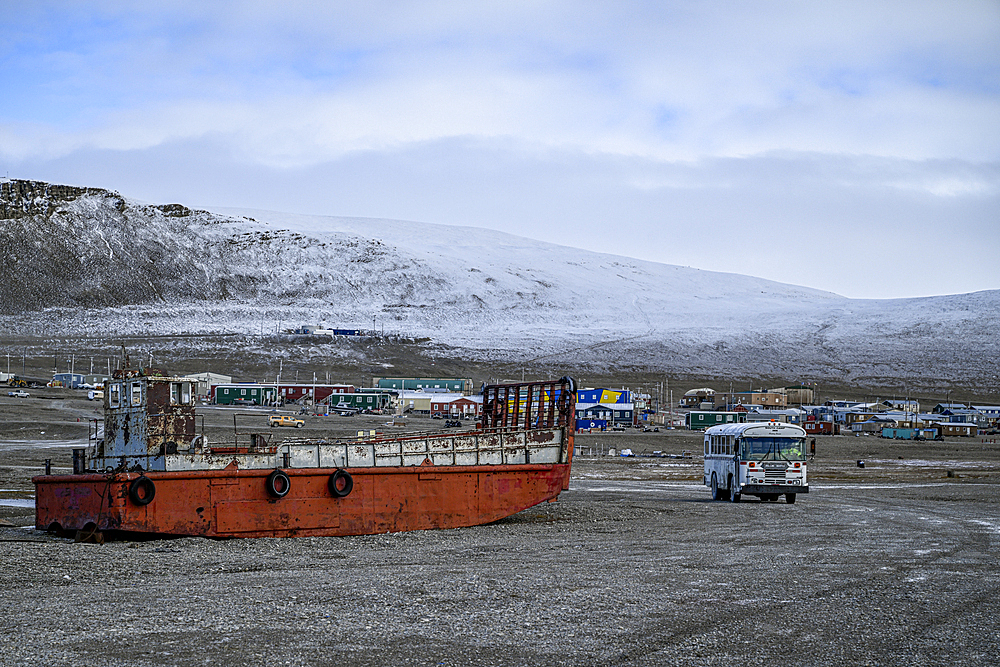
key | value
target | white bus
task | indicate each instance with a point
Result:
(763, 459)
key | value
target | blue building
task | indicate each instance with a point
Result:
(71, 380)
(613, 405)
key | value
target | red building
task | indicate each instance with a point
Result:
(294, 392)
(464, 406)
(821, 428)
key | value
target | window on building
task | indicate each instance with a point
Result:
(136, 393)
(114, 395)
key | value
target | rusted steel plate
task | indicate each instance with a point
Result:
(382, 500)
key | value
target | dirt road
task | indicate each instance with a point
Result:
(891, 564)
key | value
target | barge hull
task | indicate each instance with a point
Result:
(236, 503)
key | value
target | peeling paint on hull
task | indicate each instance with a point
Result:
(235, 503)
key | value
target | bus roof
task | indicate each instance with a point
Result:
(759, 430)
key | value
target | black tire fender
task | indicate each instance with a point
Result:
(278, 485)
(141, 491)
(341, 483)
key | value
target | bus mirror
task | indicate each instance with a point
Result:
(812, 447)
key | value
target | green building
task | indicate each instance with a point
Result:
(362, 400)
(456, 385)
(698, 420)
(258, 394)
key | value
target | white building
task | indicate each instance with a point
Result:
(205, 381)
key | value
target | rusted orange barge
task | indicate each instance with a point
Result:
(153, 473)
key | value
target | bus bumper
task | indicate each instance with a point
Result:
(754, 489)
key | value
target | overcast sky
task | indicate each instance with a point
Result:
(848, 146)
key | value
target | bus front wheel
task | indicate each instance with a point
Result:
(734, 495)
(716, 493)
(790, 498)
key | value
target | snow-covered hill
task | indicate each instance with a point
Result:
(80, 256)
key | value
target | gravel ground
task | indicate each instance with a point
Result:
(892, 564)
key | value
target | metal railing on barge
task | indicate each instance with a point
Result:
(522, 424)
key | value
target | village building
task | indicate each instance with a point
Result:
(787, 415)
(453, 385)
(245, 393)
(906, 405)
(991, 413)
(694, 398)
(615, 406)
(464, 407)
(766, 399)
(798, 394)
(419, 402)
(699, 420)
(203, 382)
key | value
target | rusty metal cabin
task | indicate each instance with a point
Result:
(146, 418)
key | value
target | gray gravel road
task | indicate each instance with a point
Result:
(618, 571)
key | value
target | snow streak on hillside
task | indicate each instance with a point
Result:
(85, 256)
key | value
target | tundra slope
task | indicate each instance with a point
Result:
(79, 256)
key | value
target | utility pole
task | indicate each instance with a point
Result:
(666, 395)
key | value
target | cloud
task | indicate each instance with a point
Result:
(307, 83)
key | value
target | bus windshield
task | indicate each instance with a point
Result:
(777, 449)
